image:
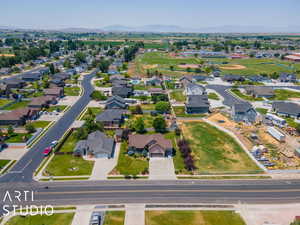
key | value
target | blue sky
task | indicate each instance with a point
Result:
(185, 13)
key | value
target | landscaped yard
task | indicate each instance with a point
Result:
(4, 102)
(114, 218)
(40, 124)
(283, 94)
(178, 96)
(69, 165)
(69, 144)
(94, 111)
(213, 96)
(261, 111)
(3, 163)
(57, 108)
(71, 91)
(193, 218)
(18, 138)
(245, 97)
(129, 165)
(180, 112)
(17, 105)
(147, 107)
(147, 118)
(55, 219)
(215, 151)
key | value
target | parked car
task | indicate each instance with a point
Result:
(47, 151)
(54, 143)
(95, 218)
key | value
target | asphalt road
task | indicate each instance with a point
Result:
(24, 169)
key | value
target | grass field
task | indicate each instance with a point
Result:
(72, 91)
(245, 97)
(283, 94)
(114, 218)
(128, 165)
(69, 165)
(4, 102)
(193, 218)
(257, 66)
(18, 138)
(178, 95)
(215, 151)
(180, 112)
(55, 219)
(57, 108)
(69, 144)
(17, 105)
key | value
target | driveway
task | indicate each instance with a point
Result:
(135, 214)
(13, 153)
(82, 215)
(103, 166)
(161, 169)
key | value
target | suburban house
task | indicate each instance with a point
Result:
(32, 76)
(153, 81)
(61, 76)
(122, 83)
(113, 78)
(243, 112)
(258, 78)
(56, 92)
(232, 78)
(116, 102)
(185, 80)
(194, 89)
(156, 91)
(42, 102)
(197, 104)
(111, 118)
(155, 145)
(5, 71)
(57, 82)
(257, 92)
(97, 145)
(17, 117)
(138, 93)
(4, 90)
(201, 78)
(287, 78)
(122, 91)
(288, 109)
(14, 83)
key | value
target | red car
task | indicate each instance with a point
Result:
(47, 151)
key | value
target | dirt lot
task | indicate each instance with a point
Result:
(150, 66)
(7, 55)
(233, 67)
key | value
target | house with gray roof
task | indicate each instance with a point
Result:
(288, 109)
(97, 145)
(111, 118)
(243, 112)
(260, 91)
(194, 89)
(116, 102)
(197, 104)
(287, 78)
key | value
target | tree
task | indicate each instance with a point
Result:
(30, 128)
(81, 133)
(139, 125)
(10, 130)
(137, 110)
(51, 68)
(159, 124)
(104, 65)
(162, 107)
(177, 131)
(98, 96)
(172, 68)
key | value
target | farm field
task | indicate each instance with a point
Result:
(215, 151)
(193, 218)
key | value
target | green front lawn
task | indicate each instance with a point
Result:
(40, 124)
(69, 144)
(18, 138)
(101, 83)
(215, 151)
(176, 217)
(69, 165)
(180, 112)
(57, 108)
(245, 97)
(147, 118)
(282, 94)
(92, 112)
(4, 102)
(55, 219)
(129, 165)
(213, 96)
(148, 107)
(72, 91)
(178, 96)
(114, 218)
(3, 163)
(261, 111)
(17, 105)
(291, 122)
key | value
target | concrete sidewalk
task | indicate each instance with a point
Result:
(83, 215)
(135, 214)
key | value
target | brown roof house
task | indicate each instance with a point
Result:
(17, 117)
(153, 145)
(42, 102)
(57, 92)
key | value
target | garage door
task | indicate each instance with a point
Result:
(155, 155)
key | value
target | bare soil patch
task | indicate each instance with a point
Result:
(192, 66)
(233, 67)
